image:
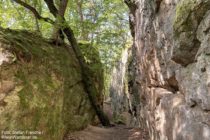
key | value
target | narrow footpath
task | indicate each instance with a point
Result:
(119, 132)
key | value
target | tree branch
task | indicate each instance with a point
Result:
(62, 7)
(51, 7)
(34, 11)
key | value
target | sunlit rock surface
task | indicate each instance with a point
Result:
(171, 67)
(123, 104)
(41, 87)
(119, 97)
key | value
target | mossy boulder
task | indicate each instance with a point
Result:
(41, 87)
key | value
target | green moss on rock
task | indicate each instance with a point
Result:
(48, 94)
(189, 14)
(92, 58)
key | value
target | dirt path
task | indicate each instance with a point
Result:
(119, 132)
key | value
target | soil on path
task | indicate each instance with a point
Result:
(119, 132)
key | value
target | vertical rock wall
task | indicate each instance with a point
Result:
(171, 67)
(119, 98)
(117, 89)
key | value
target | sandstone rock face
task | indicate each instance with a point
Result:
(122, 103)
(171, 67)
(41, 87)
(119, 97)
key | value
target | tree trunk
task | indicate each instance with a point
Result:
(57, 32)
(86, 73)
(87, 81)
(37, 26)
(83, 34)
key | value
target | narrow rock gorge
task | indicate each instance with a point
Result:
(119, 98)
(124, 101)
(170, 67)
(73, 70)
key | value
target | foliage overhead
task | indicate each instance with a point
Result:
(102, 23)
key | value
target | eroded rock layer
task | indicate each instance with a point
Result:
(171, 67)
